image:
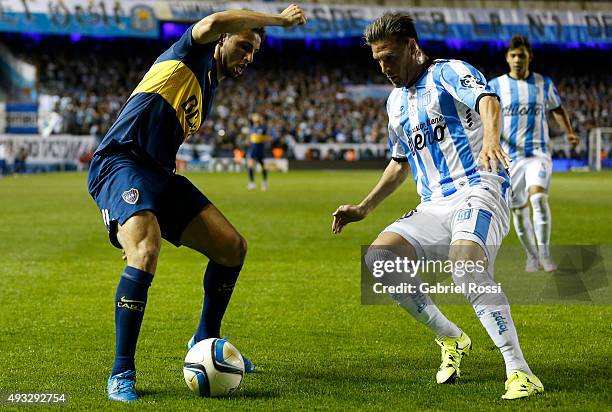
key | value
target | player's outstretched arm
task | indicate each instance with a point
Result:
(562, 119)
(231, 21)
(492, 152)
(393, 176)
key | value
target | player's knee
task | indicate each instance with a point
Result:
(375, 259)
(236, 252)
(144, 254)
(536, 189)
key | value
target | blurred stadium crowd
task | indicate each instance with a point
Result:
(300, 92)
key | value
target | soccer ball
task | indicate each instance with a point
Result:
(213, 367)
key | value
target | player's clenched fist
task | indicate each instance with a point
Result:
(346, 214)
(293, 16)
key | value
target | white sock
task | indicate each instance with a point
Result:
(542, 221)
(524, 230)
(497, 321)
(493, 311)
(419, 305)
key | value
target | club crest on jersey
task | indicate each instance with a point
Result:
(424, 100)
(131, 196)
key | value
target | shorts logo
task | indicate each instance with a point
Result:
(130, 196)
(464, 214)
(542, 173)
(407, 215)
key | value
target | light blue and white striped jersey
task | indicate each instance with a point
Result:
(524, 106)
(435, 126)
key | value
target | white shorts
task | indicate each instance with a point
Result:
(527, 172)
(476, 213)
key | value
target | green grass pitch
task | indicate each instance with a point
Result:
(296, 309)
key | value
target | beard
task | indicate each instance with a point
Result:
(226, 72)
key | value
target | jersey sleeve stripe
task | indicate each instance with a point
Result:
(460, 140)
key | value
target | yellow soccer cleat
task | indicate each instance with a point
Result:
(520, 385)
(453, 350)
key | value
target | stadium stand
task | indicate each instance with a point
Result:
(301, 88)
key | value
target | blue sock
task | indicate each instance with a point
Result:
(130, 302)
(219, 284)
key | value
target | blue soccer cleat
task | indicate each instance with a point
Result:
(248, 365)
(120, 387)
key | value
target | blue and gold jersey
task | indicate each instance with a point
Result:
(169, 104)
(258, 135)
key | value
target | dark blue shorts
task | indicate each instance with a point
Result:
(122, 185)
(256, 151)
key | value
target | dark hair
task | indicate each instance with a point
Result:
(390, 25)
(518, 41)
(261, 31)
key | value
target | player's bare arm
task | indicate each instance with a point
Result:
(232, 21)
(492, 152)
(393, 176)
(562, 119)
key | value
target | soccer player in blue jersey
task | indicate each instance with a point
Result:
(257, 140)
(526, 97)
(444, 125)
(142, 200)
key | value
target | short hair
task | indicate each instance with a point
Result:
(517, 41)
(260, 31)
(390, 25)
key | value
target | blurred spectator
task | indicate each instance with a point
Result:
(20, 161)
(301, 93)
(3, 168)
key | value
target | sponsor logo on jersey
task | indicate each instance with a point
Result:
(517, 109)
(426, 136)
(472, 82)
(131, 196)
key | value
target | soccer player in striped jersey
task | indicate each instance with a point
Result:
(444, 125)
(526, 97)
(142, 200)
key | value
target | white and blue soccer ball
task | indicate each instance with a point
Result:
(213, 367)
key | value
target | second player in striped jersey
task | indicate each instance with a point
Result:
(526, 97)
(444, 125)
